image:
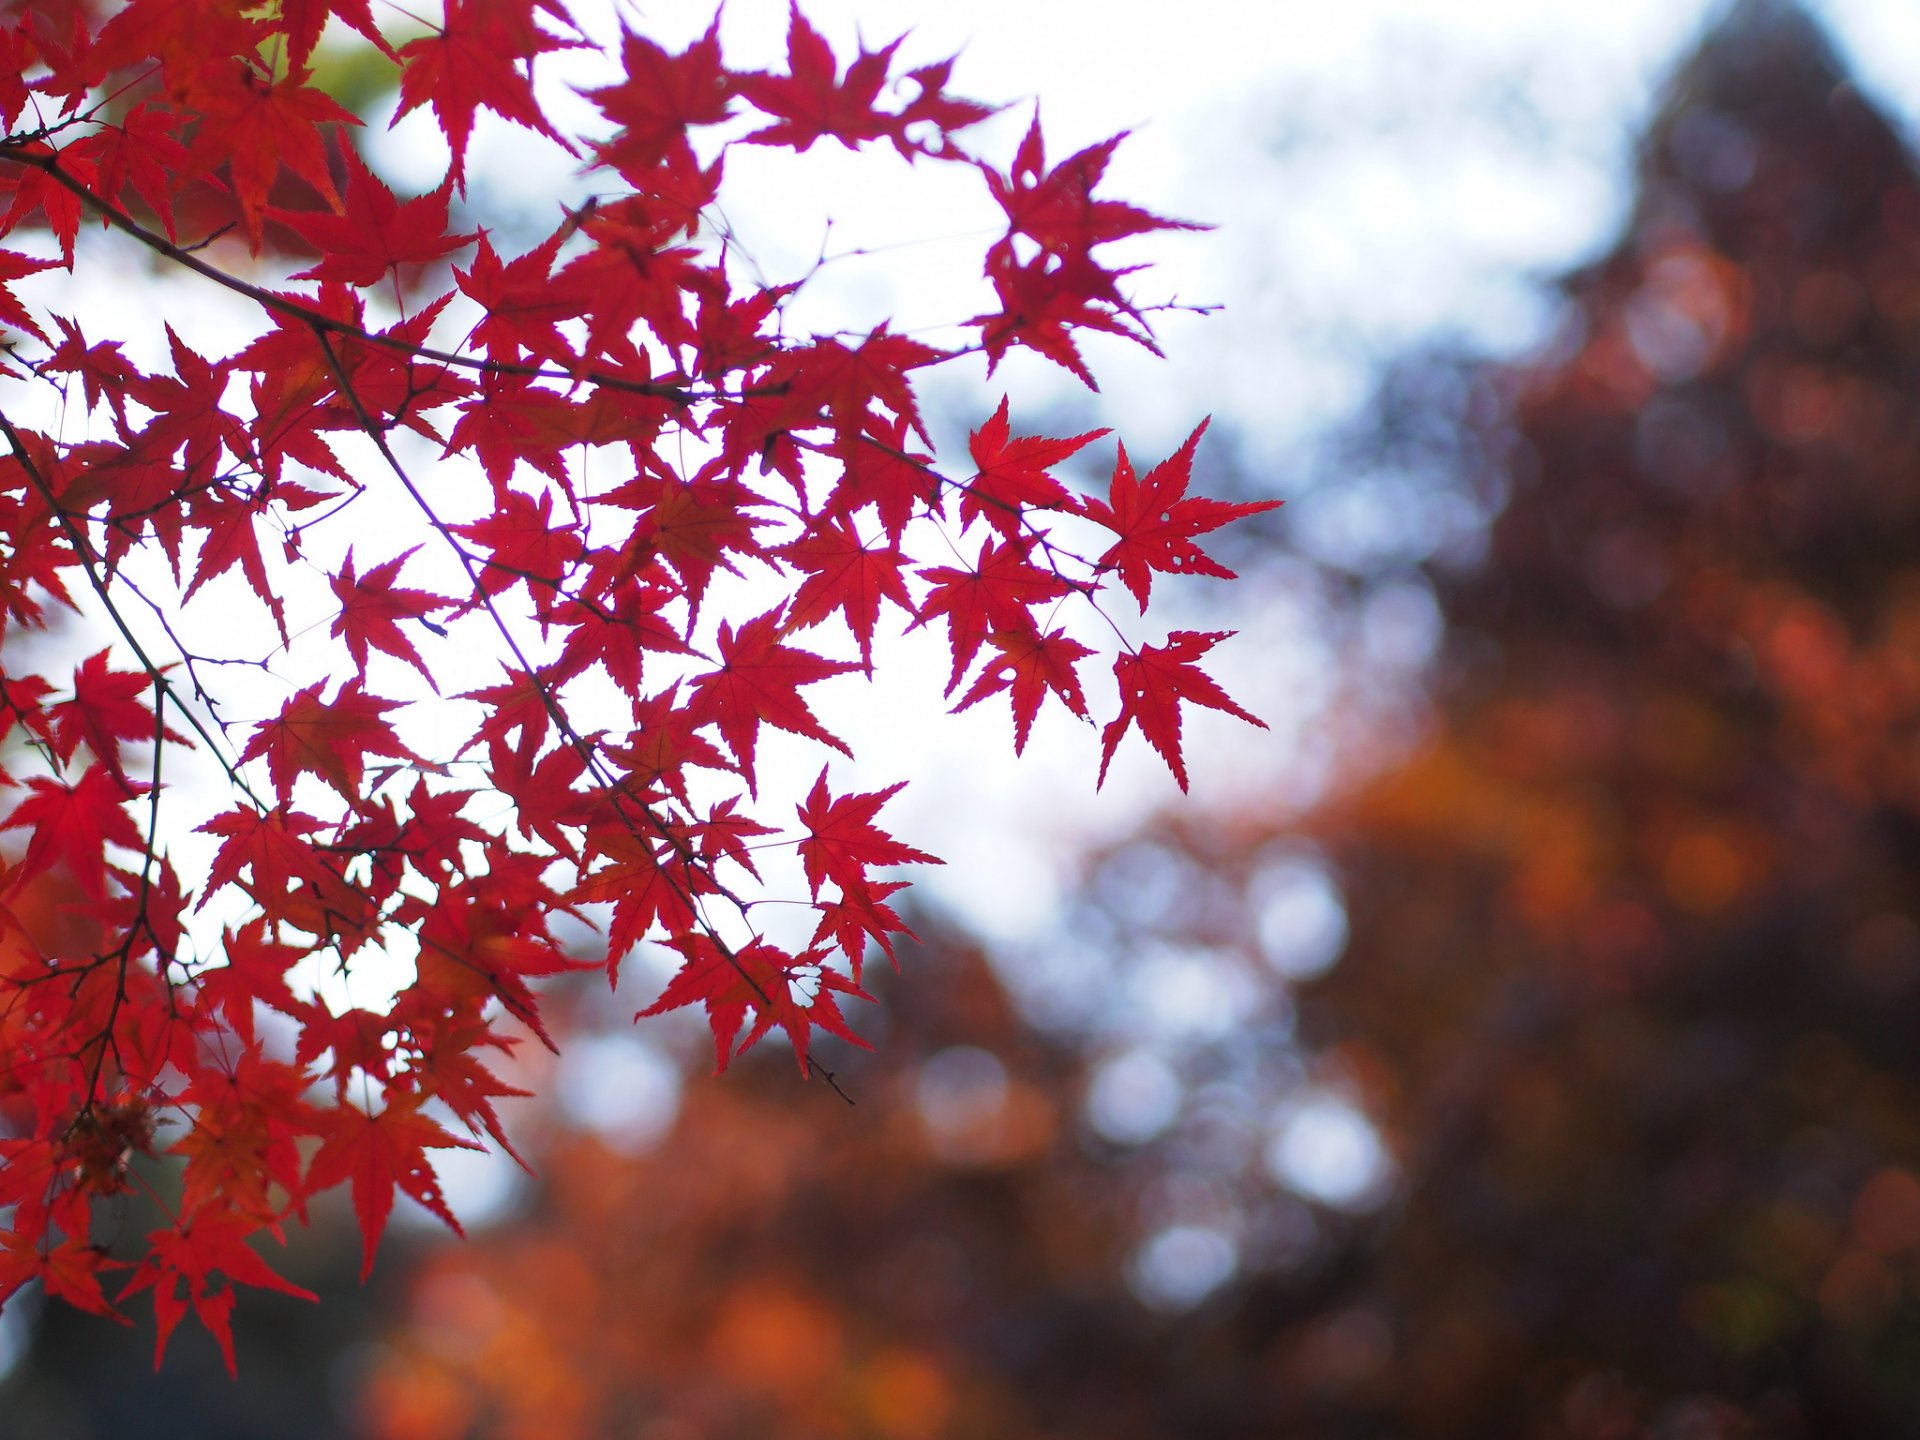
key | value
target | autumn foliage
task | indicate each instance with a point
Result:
(1625, 968)
(609, 463)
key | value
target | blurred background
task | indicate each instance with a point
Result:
(1520, 1039)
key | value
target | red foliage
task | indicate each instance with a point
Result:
(643, 430)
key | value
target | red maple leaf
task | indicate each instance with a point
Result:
(659, 95)
(997, 594)
(380, 1153)
(1156, 520)
(761, 979)
(861, 915)
(18, 267)
(809, 103)
(70, 1271)
(845, 576)
(255, 971)
(75, 823)
(1031, 665)
(882, 470)
(231, 540)
(257, 129)
(663, 743)
(696, 526)
(524, 303)
(105, 373)
(1056, 208)
(842, 841)
(476, 59)
(520, 704)
(207, 1242)
(107, 707)
(1152, 685)
(375, 232)
(1043, 300)
(327, 738)
(1014, 474)
(759, 681)
(523, 543)
(647, 878)
(371, 608)
(303, 20)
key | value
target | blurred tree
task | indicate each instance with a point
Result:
(1634, 965)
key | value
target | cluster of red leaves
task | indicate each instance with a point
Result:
(719, 442)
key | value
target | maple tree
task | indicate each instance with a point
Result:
(613, 463)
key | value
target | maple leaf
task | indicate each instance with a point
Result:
(1032, 665)
(18, 267)
(230, 541)
(998, 593)
(105, 373)
(1043, 301)
(255, 972)
(202, 1244)
(471, 63)
(1056, 208)
(1013, 474)
(271, 845)
(759, 681)
(646, 878)
(189, 422)
(38, 190)
(377, 1154)
(70, 1271)
(760, 979)
(21, 703)
(145, 151)
(842, 841)
(1156, 520)
(524, 544)
(883, 471)
(242, 1151)
(451, 1073)
(663, 743)
(808, 102)
(375, 232)
(480, 940)
(259, 129)
(371, 607)
(696, 527)
(303, 20)
(1152, 685)
(106, 708)
(636, 277)
(659, 96)
(724, 835)
(524, 303)
(846, 577)
(519, 705)
(17, 58)
(861, 915)
(75, 823)
(617, 630)
(327, 738)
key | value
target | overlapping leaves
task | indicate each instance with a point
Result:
(654, 488)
